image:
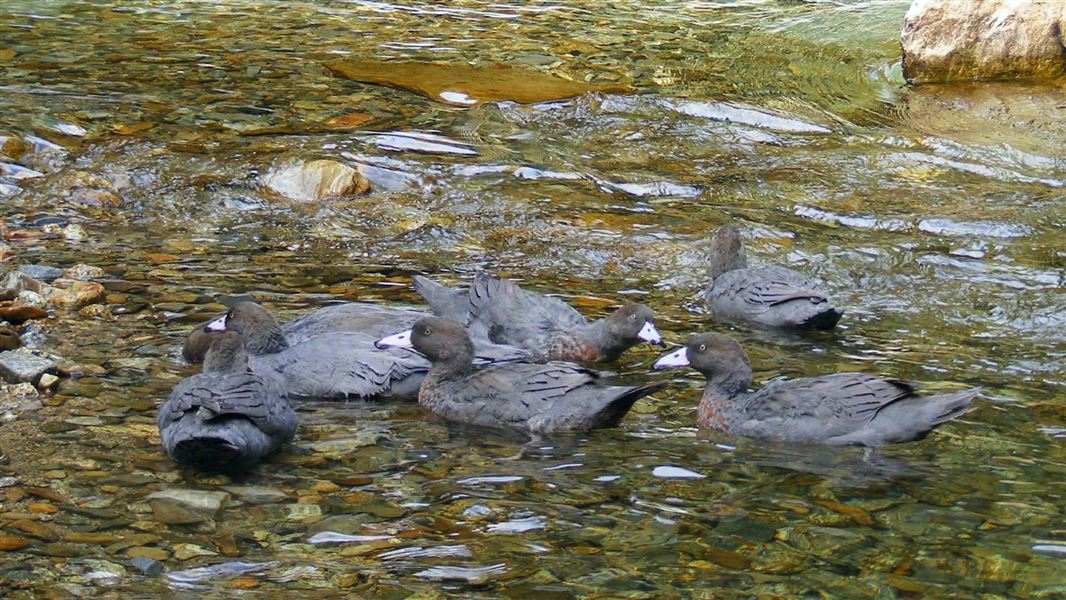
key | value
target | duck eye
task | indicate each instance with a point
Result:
(703, 347)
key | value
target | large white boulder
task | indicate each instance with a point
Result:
(316, 180)
(959, 40)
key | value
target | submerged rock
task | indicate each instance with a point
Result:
(87, 189)
(229, 569)
(471, 575)
(187, 551)
(18, 314)
(26, 298)
(83, 272)
(12, 146)
(17, 281)
(464, 85)
(948, 40)
(316, 180)
(257, 494)
(72, 293)
(12, 542)
(180, 507)
(147, 566)
(47, 381)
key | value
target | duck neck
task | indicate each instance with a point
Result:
(725, 261)
(457, 365)
(225, 361)
(267, 340)
(594, 343)
(722, 388)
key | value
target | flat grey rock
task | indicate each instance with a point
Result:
(147, 566)
(20, 366)
(43, 273)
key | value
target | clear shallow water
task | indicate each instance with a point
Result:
(935, 216)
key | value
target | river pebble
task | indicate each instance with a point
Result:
(72, 293)
(187, 551)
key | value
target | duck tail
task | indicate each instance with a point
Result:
(618, 408)
(232, 445)
(210, 454)
(825, 320)
(945, 407)
(445, 302)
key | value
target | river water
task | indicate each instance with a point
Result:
(934, 215)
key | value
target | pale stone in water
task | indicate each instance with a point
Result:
(256, 494)
(31, 298)
(300, 512)
(74, 232)
(86, 421)
(102, 569)
(18, 399)
(959, 40)
(668, 472)
(178, 506)
(47, 380)
(17, 281)
(187, 551)
(316, 180)
(83, 272)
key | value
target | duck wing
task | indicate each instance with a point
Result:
(817, 409)
(535, 398)
(359, 317)
(511, 315)
(210, 396)
(343, 365)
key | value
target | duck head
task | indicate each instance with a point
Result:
(258, 328)
(718, 357)
(727, 251)
(634, 323)
(442, 341)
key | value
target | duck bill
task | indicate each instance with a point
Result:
(674, 360)
(217, 325)
(650, 334)
(399, 340)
